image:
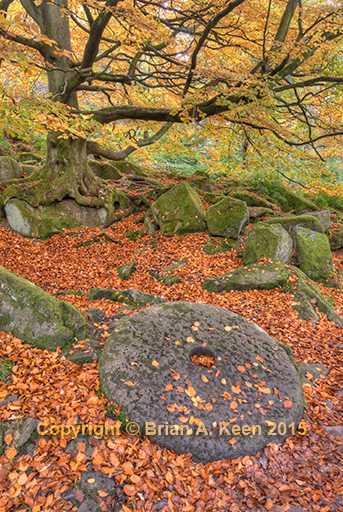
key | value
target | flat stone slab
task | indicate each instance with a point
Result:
(250, 395)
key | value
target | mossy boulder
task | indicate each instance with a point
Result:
(7, 151)
(35, 317)
(149, 222)
(9, 169)
(165, 387)
(255, 212)
(302, 221)
(251, 198)
(105, 170)
(307, 296)
(216, 246)
(297, 203)
(227, 217)
(125, 271)
(45, 221)
(23, 434)
(158, 192)
(212, 197)
(129, 296)
(268, 241)
(324, 218)
(267, 276)
(313, 254)
(250, 277)
(336, 241)
(204, 184)
(179, 211)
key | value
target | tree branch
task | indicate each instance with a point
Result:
(214, 21)
(94, 147)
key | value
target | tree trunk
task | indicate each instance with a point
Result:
(66, 174)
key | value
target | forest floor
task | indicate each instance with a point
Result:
(306, 470)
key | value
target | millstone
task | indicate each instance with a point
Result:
(250, 396)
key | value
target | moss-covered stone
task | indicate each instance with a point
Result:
(297, 203)
(166, 276)
(250, 198)
(7, 151)
(271, 275)
(133, 235)
(24, 432)
(158, 192)
(227, 218)
(336, 241)
(179, 211)
(150, 223)
(303, 221)
(6, 366)
(313, 253)
(125, 271)
(304, 290)
(219, 246)
(34, 316)
(105, 170)
(268, 241)
(9, 169)
(45, 221)
(203, 184)
(255, 212)
(324, 218)
(212, 197)
(249, 277)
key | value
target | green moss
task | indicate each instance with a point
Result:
(304, 221)
(125, 271)
(227, 218)
(250, 198)
(268, 241)
(313, 253)
(6, 366)
(179, 211)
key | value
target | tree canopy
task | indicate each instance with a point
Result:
(118, 74)
(266, 65)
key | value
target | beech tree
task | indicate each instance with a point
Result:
(259, 64)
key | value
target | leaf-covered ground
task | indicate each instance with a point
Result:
(305, 471)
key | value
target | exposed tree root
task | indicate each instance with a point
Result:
(66, 175)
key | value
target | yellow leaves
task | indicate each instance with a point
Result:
(189, 339)
(190, 391)
(11, 452)
(155, 363)
(129, 383)
(229, 328)
(8, 438)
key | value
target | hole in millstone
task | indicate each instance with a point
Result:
(202, 357)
